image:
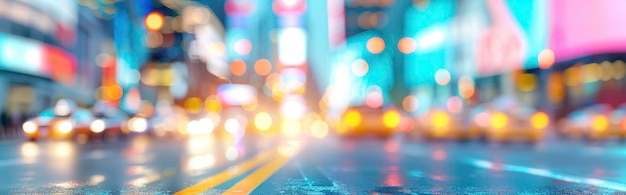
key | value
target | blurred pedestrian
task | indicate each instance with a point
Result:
(4, 123)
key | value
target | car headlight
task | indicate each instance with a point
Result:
(65, 126)
(391, 119)
(263, 121)
(193, 127)
(600, 123)
(29, 127)
(206, 126)
(231, 125)
(539, 120)
(440, 119)
(138, 124)
(97, 126)
(499, 120)
(352, 118)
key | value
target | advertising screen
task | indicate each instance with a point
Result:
(581, 28)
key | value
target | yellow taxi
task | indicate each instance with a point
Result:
(595, 122)
(49, 124)
(524, 123)
(364, 120)
(439, 124)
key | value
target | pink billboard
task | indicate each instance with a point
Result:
(582, 27)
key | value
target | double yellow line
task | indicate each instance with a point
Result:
(281, 154)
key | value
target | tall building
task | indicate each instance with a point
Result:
(47, 52)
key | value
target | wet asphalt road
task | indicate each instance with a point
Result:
(211, 165)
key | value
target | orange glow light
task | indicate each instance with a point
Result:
(263, 67)
(556, 88)
(407, 45)
(539, 120)
(238, 67)
(114, 92)
(375, 45)
(193, 105)
(546, 59)
(154, 21)
(212, 104)
(527, 82)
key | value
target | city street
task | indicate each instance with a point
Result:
(210, 165)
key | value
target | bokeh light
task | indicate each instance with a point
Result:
(319, 129)
(442, 77)
(154, 21)
(454, 104)
(291, 127)
(527, 82)
(482, 119)
(466, 87)
(263, 67)
(499, 120)
(375, 45)
(391, 119)
(352, 118)
(410, 103)
(359, 67)
(407, 45)
(193, 105)
(546, 58)
(556, 87)
(114, 92)
(599, 123)
(238, 67)
(263, 121)
(374, 99)
(242, 46)
(440, 119)
(539, 120)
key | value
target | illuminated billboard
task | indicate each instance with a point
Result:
(35, 58)
(581, 28)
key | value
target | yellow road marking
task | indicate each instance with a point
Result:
(252, 181)
(228, 174)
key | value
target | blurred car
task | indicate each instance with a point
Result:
(439, 124)
(506, 119)
(171, 122)
(364, 120)
(109, 122)
(595, 122)
(51, 124)
(201, 123)
(522, 123)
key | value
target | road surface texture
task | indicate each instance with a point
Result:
(211, 165)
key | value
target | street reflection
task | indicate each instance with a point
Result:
(29, 151)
